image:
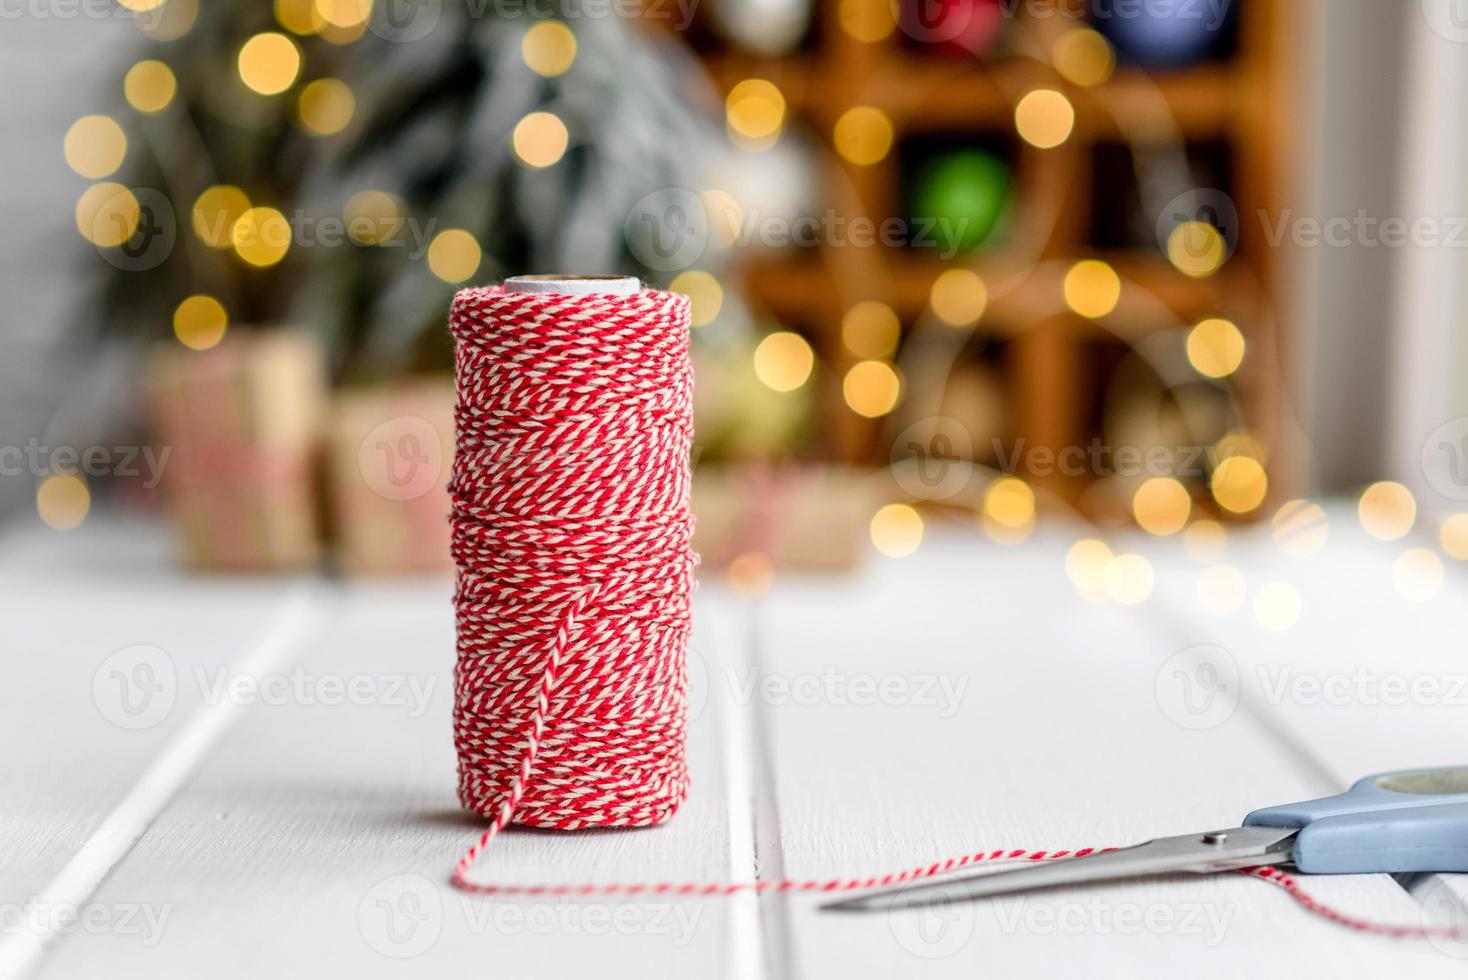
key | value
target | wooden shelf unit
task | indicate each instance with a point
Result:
(1238, 102)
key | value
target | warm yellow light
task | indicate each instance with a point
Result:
(959, 297)
(261, 236)
(1205, 540)
(540, 139)
(1009, 502)
(897, 530)
(1044, 118)
(199, 322)
(1453, 537)
(1387, 510)
(63, 501)
(704, 294)
(1085, 565)
(1092, 288)
(215, 214)
(454, 255)
(326, 106)
(176, 20)
(754, 111)
(1239, 484)
(870, 329)
(863, 135)
(1083, 57)
(1222, 590)
(867, 22)
(140, 6)
(751, 573)
(95, 146)
(1277, 606)
(1240, 442)
(1300, 527)
(725, 217)
(1196, 248)
(269, 63)
(332, 34)
(107, 215)
(1162, 505)
(374, 217)
(1418, 575)
(1215, 348)
(784, 361)
(1129, 579)
(149, 86)
(298, 16)
(549, 48)
(344, 13)
(871, 388)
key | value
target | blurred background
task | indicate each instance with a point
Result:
(1175, 265)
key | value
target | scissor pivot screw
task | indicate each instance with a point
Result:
(1215, 837)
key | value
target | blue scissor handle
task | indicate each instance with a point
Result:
(1412, 820)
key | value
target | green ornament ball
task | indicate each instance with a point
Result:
(962, 198)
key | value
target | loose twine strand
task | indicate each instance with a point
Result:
(572, 538)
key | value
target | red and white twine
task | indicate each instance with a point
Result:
(571, 534)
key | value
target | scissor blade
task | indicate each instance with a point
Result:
(1219, 850)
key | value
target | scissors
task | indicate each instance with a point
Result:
(1411, 820)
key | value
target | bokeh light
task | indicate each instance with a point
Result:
(1083, 57)
(1215, 348)
(754, 111)
(1300, 527)
(540, 139)
(866, 22)
(1196, 248)
(549, 48)
(1452, 537)
(374, 217)
(871, 329)
(171, 23)
(107, 214)
(897, 530)
(261, 236)
(62, 501)
(1129, 579)
(871, 388)
(149, 86)
(1239, 484)
(863, 135)
(959, 297)
(95, 146)
(215, 214)
(1162, 505)
(344, 13)
(200, 322)
(1009, 502)
(326, 106)
(1277, 606)
(269, 63)
(1044, 118)
(783, 361)
(1387, 510)
(1205, 540)
(751, 573)
(1418, 575)
(704, 294)
(454, 255)
(725, 216)
(1092, 288)
(297, 16)
(1085, 566)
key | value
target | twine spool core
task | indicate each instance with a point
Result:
(574, 285)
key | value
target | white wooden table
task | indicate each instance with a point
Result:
(226, 776)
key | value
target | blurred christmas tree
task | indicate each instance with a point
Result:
(343, 165)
